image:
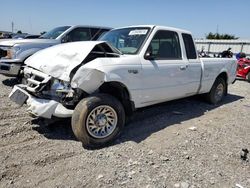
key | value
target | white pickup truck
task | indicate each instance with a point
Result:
(98, 83)
(13, 52)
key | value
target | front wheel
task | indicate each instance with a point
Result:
(98, 120)
(217, 92)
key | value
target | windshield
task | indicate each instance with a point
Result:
(127, 40)
(54, 33)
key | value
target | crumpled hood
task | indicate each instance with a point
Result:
(58, 61)
(12, 42)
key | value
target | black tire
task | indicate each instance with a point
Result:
(86, 109)
(248, 77)
(217, 92)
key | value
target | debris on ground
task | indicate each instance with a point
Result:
(238, 185)
(192, 128)
(244, 153)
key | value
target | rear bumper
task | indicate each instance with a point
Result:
(42, 107)
(10, 67)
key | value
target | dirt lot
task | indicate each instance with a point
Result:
(156, 149)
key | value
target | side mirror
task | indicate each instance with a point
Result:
(65, 39)
(149, 56)
(149, 53)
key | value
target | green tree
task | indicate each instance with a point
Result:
(42, 32)
(220, 36)
(19, 32)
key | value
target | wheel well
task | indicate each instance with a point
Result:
(223, 75)
(119, 91)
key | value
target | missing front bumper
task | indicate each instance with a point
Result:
(41, 107)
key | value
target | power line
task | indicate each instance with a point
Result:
(12, 27)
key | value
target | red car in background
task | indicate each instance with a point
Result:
(243, 69)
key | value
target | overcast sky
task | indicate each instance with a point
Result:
(198, 16)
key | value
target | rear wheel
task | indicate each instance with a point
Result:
(98, 120)
(217, 92)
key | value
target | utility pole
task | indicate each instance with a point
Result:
(12, 26)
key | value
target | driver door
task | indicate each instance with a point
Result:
(165, 70)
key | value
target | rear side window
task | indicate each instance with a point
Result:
(165, 45)
(189, 46)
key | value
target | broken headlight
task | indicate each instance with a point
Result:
(62, 92)
(60, 86)
(58, 90)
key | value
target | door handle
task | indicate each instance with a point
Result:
(133, 71)
(183, 67)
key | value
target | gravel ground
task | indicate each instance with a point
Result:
(185, 143)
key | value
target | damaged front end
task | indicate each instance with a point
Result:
(50, 88)
(56, 79)
(46, 96)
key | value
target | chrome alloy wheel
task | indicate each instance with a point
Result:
(219, 92)
(101, 121)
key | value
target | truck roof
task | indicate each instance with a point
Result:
(159, 27)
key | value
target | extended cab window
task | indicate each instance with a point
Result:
(79, 34)
(165, 45)
(189, 46)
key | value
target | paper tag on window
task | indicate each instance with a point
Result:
(138, 32)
